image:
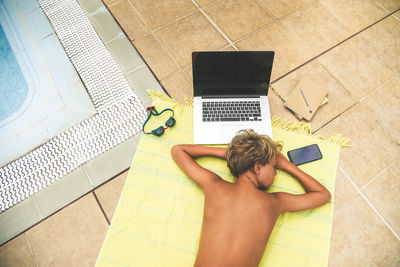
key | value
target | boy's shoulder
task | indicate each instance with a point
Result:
(218, 185)
(275, 199)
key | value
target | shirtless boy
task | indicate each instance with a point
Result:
(239, 217)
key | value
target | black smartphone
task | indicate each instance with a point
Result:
(304, 154)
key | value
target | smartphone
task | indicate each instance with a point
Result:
(304, 154)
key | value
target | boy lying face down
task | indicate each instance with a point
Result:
(239, 217)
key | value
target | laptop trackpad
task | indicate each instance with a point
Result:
(230, 130)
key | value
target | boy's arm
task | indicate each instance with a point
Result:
(184, 156)
(316, 194)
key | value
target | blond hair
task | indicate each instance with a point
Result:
(248, 148)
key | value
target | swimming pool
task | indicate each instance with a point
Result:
(13, 87)
(41, 95)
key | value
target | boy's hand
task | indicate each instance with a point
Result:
(315, 196)
(282, 163)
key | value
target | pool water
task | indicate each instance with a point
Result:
(41, 95)
(13, 87)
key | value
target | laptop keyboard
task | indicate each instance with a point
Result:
(231, 111)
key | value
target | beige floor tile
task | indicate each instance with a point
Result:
(389, 5)
(189, 34)
(17, 253)
(282, 8)
(344, 193)
(111, 2)
(288, 53)
(178, 86)
(356, 65)
(315, 27)
(384, 38)
(189, 74)
(385, 103)
(204, 2)
(128, 19)
(71, 237)
(383, 192)
(360, 238)
(157, 58)
(344, 190)
(355, 14)
(158, 13)
(229, 48)
(372, 149)
(238, 18)
(109, 193)
(339, 98)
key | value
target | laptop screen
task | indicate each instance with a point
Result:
(232, 73)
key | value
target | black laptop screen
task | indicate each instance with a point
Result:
(231, 73)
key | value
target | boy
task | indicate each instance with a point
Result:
(239, 217)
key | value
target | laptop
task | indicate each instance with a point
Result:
(230, 94)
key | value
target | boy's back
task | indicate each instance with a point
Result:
(238, 218)
(237, 222)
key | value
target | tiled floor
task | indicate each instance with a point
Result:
(351, 46)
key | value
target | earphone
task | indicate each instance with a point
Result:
(160, 130)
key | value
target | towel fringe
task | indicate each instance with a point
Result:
(188, 101)
(305, 128)
(336, 139)
(282, 124)
(154, 95)
(295, 127)
(159, 95)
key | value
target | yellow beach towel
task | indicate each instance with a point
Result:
(158, 218)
